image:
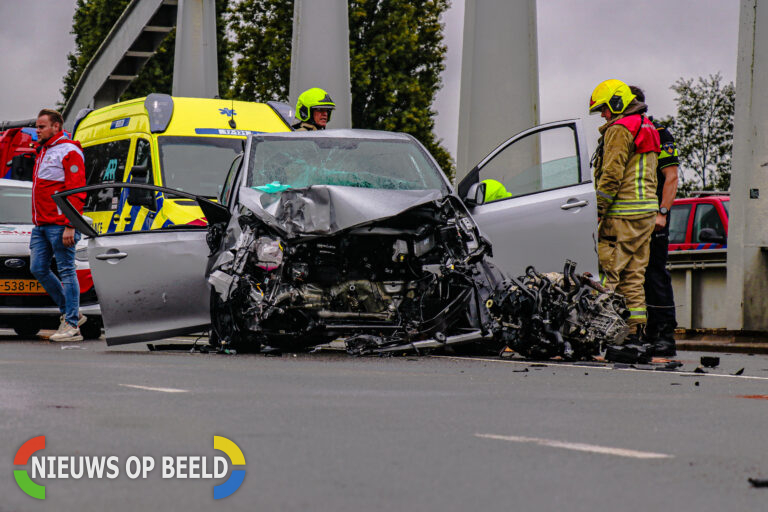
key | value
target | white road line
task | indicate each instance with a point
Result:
(579, 447)
(583, 366)
(146, 388)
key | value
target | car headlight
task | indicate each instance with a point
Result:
(81, 254)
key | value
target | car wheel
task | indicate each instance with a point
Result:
(26, 331)
(223, 328)
(91, 329)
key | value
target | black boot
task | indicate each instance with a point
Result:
(664, 344)
(635, 349)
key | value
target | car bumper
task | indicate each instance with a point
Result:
(88, 309)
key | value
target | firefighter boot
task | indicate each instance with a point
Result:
(634, 350)
(664, 342)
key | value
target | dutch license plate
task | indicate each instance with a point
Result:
(9, 286)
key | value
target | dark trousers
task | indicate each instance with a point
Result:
(658, 285)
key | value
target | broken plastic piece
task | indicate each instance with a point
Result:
(699, 369)
(758, 482)
(739, 372)
(709, 361)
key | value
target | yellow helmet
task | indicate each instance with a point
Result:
(613, 93)
(311, 99)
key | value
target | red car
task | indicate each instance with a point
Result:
(699, 223)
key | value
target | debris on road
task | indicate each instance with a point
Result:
(710, 361)
(758, 482)
(739, 372)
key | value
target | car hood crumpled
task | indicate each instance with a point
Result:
(327, 209)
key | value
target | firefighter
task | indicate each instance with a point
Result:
(659, 296)
(625, 181)
(313, 109)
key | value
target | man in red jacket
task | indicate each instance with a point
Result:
(59, 166)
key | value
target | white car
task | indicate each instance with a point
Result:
(25, 307)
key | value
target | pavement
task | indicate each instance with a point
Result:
(331, 432)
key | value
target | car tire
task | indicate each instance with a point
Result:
(91, 329)
(223, 328)
(26, 331)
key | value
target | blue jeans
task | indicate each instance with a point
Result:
(44, 245)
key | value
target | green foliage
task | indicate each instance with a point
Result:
(396, 57)
(262, 31)
(92, 21)
(703, 131)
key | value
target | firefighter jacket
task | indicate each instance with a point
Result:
(59, 166)
(304, 127)
(625, 165)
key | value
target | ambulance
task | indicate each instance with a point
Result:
(187, 144)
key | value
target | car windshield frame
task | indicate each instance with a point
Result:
(164, 141)
(19, 192)
(429, 173)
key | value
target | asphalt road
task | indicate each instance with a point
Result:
(327, 432)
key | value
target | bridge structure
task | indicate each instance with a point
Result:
(499, 59)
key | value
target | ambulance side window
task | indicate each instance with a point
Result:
(104, 163)
(143, 158)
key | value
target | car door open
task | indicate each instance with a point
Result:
(151, 283)
(533, 197)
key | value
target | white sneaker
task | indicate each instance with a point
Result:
(67, 333)
(80, 321)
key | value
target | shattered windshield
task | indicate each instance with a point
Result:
(197, 165)
(277, 164)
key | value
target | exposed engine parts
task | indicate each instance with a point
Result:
(417, 280)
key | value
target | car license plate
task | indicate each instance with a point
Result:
(27, 286)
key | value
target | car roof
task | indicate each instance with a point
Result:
(702, 199)
(345, 133)
(15, 183)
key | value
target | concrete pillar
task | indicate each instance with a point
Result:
(499, 77)
(320, 55)
(747, 295)
(195, 68)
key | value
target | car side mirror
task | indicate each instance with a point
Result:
(711, 236)
(475, 195)
(139, 174)
(142, 197)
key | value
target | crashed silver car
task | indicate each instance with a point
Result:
(358, 235)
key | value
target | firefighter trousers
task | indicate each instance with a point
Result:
(623, 249)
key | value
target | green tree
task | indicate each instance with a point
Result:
(396, 57)
(261, 44)
(92, 21)
(703, 131)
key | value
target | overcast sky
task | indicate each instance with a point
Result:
(652, 43)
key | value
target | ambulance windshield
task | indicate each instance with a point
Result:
(197, 165)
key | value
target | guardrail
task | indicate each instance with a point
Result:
(699, 283)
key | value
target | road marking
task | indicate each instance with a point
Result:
(582, 366)
(146, 388)
(579, 447)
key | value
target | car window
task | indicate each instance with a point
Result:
(15, 205)
(143, 157)
(280, 163)
(726, 204)
(227, 190)
(706, 217)
(678, 223)
(540, 161)
(104, 163)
